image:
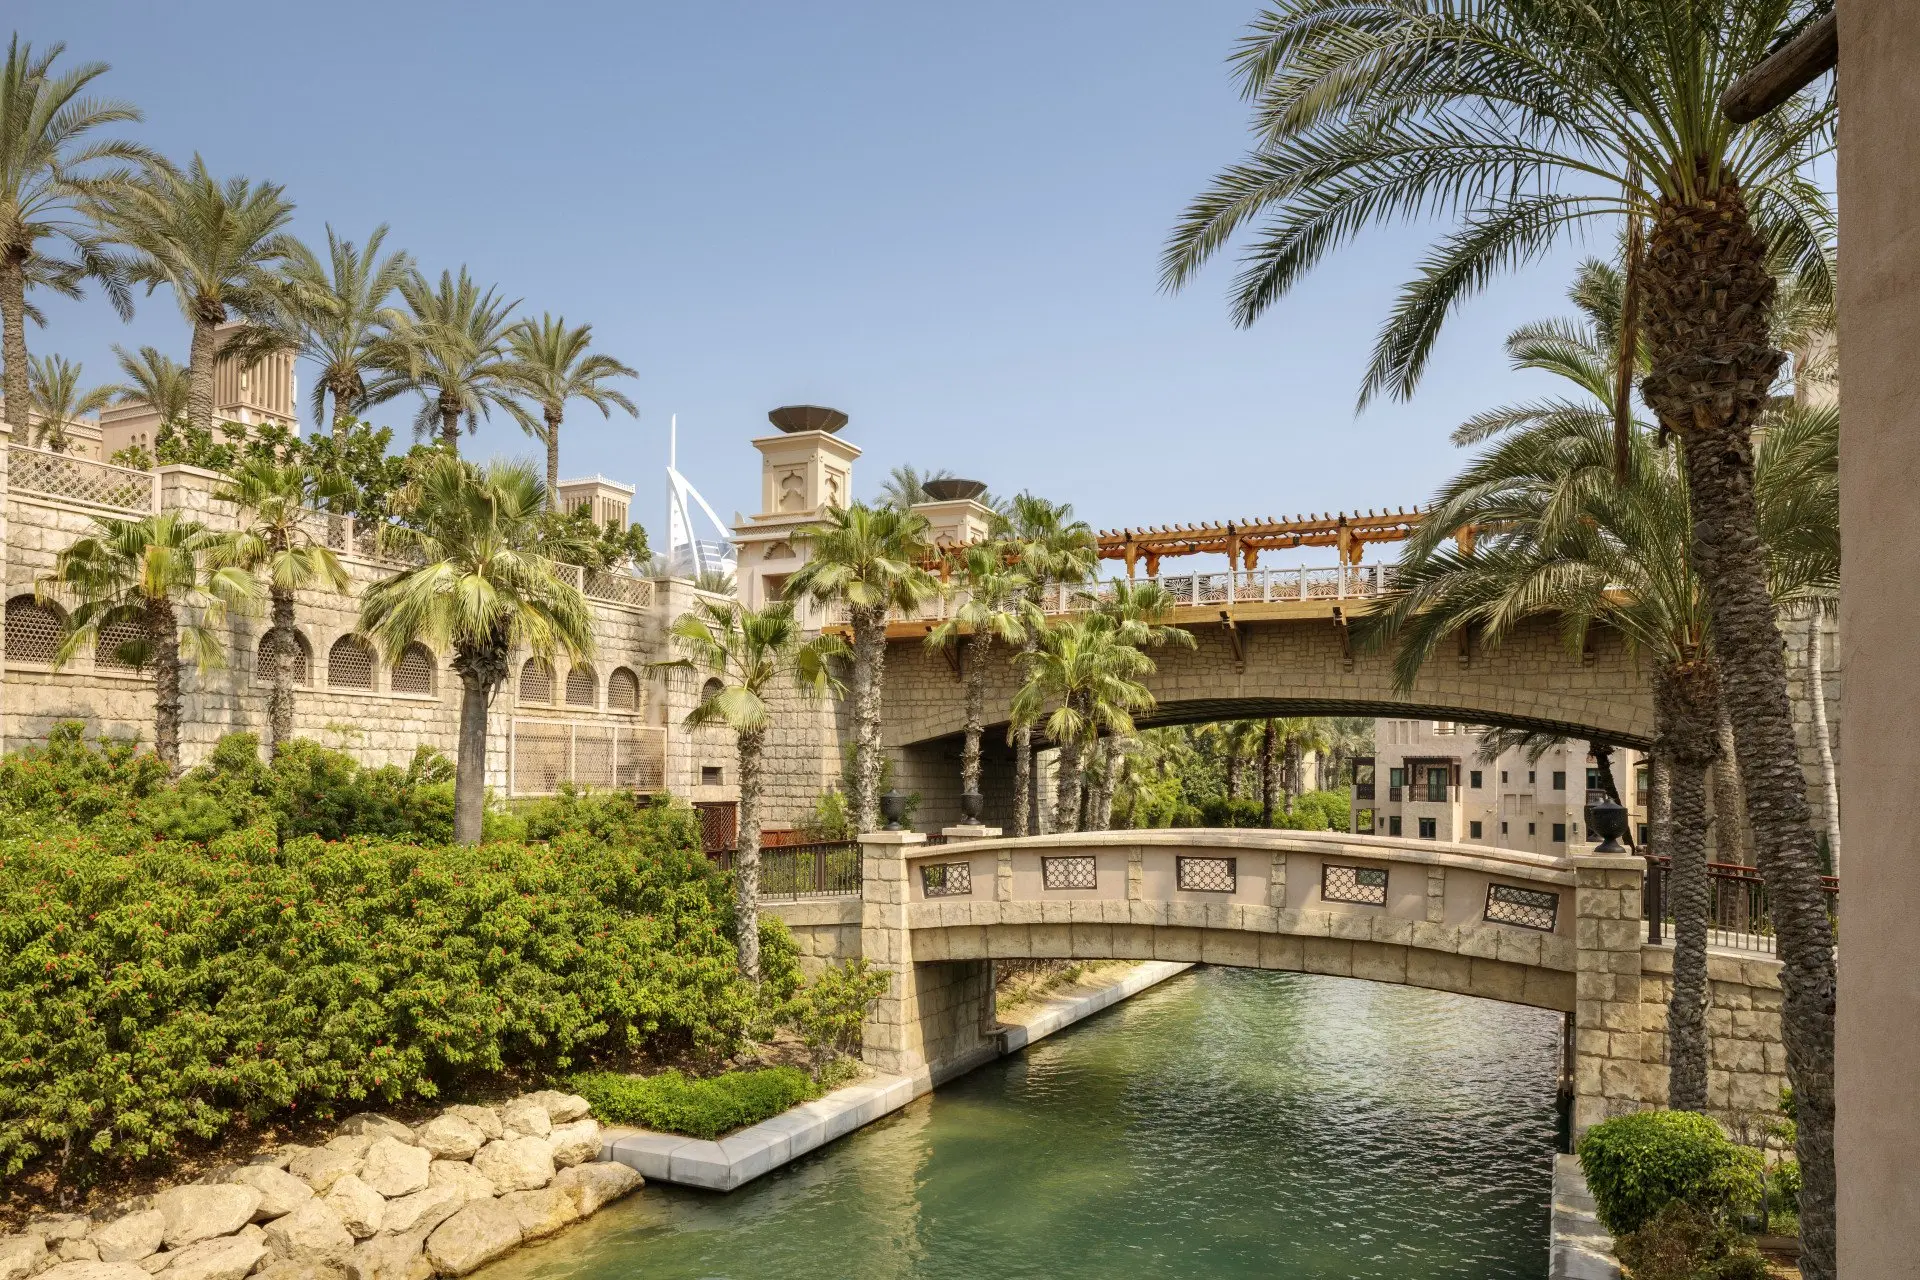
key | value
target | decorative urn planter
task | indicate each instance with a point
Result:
(893, 807)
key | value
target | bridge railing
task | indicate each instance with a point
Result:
(1739, 915)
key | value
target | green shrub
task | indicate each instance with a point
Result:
(1682, 1242)
(674, 1103)
(1219, 811)
(829, 1011)
(1637, 1164)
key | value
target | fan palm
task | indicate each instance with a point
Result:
(1081, 680)
(745, 657)
(58, 398)
(1138, 613)
(155, 380)
(450, 344)
(217, 245)
(551, 365)
(276, 535)
(996, 607)
(869, 560)
(486, 583)
(154, 577)
(49, 172)
(1524, 120)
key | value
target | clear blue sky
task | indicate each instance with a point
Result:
(944, 220)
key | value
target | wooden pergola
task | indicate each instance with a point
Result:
(1242, 541)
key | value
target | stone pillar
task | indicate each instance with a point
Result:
(1002, 892)
(969, 831)
(1608, 935)
(891, 1038)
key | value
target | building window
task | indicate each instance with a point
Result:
(1559, 833)
(623, 690)
(1532, 828)
(1640, 781)
(774, 586)
(583, 687)
(350, 663)
(1503, 777)
(1643, 835)
(414, 672)
(711, 775)
(1396, 778)
(1594, 782)
(1503, 826)
(1473, 831)
(302, 660)
(1559, 779)
(1429, 829)
(1530, 773)
(1473, 779)
(33, 630)
(1437, 779)
(536, 681)
(1393, 826)
(122, 646)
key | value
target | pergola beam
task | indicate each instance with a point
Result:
(1784, 72)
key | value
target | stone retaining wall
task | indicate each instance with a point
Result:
(1746, 1059)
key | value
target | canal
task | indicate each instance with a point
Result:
(1227, 1123)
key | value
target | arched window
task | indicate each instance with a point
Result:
(623, 690)
(583, 687)
(350, 663)
(536, 682)
(33, 630)
(711, 689)
(302, 660)
(414, 672)
(120, 646)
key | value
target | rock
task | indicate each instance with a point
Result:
(311, 1233)
(390, 1257)
(154, 1264)
(525, 1118)
(575, 1143)
(55, 1227)
(485, 1119)
(378, 1125)
(423, 1210)
(129, 1239)
(21, 1256)
(195, 1213)
(396, 1168)
(357, 1205)
(320, 1167)
(77, 1251)
(451, 1137)
(95, 1271)
(562, 1108)
(288, 1269)
(473, 1237)
(228, 1258)
(516, 1164)
(280, 1192)
(279, 1156)
(541, 1213)
(353, 1144)
(461, 1177)
(597, 1184)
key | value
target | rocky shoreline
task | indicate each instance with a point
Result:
(378, 1201)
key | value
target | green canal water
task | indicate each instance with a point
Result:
(1227, 1123)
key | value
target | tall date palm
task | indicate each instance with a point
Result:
(552, 365)
(1051, 547)
(449, 343)
(996, 608)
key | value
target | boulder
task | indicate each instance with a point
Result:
(154, 1264)
(320, 1167)
(226, 1258)
(423, 1210)
(597, 1184)
(396, 1168)
(472, 1238)
(279, 1156)
(485, 1119)
(312, 1233)
(22, 1256)
(562, 1108)
(450, 1137)
(357, 1205)
(353, 1144)
(575, 1143)
(136, 1236)
(541, 1213)
(195, 1213)
(516, 1164)
(55, 1227)
(77, 1251)
(525, 1118)
(378, 1125)
(96, 1271)
(461, 1177)
(288, 1269)
(390, 1257)
(280, 1192)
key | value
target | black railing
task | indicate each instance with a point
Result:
(1363, 791)
(1738, 912)
(830, 869)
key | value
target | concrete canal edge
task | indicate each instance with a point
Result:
(1580, 1247)
(740, 1157)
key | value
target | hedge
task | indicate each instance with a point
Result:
(674, 1103)
(1638, 1164)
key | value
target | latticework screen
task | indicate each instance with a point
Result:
(583, 690)
(350, 664)
(542, 757)
(1206, 875)
(593, 755)
(414, 672)
(536, 682)
(946, 879)
(1076, 872)
(1365, 885)
(623, 690)
(302, 660)
(82, 479)
(547, 753)
(116, 643)
(33, 630)
(1527, 908)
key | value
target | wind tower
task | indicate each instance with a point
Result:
(804, 470)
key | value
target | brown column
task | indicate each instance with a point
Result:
(1879, 1016)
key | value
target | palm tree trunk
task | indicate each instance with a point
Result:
(1066, 793)
(1267, 779)
(1116, 763)
(1232, 748)
(470, 761)
(1732, 835)
(746, 854)
(201, 358)
(974, 658)
(163, 634)
(280, 698)
(1293, 775)
(1022, 779)
(450, 426)
(1822, 737)
(13, 339)
(1709, 293)
(553, 461)
(869, 659)
(1686, 716)
(1659, 805)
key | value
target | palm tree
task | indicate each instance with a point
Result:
(1082, 680)
(870, 560)
(218, 245)
(450, 344)
(154, 576)
(486, 584)
(996, 607)
(276, 502)
(1138, 613)
(906, 486)
(744, 656)
(155, 380)
(49, 171)
(58, 399)
(1522, 120)
(552, 366)
(1051, 548)
(1298, 735)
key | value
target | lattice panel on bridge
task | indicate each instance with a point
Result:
(64, 476)
(1206, 875)
(1069, 873)
(947, 879)
(1364, 885)
(1527, 908)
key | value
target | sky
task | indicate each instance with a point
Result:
(943, 220)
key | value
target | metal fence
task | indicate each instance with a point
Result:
(826, 870)
(544, 754)
(1739, 915)
(60, 475)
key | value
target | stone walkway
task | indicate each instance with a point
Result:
(1581, 1247)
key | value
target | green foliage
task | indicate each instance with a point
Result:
(830, 1010)
(780, 978)
(1219, 811)
(830, 819)
(1637, 1164)
(1315, 811)
(674, 1103)
(607, 817)
(595, 546)
(1683, 1242)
